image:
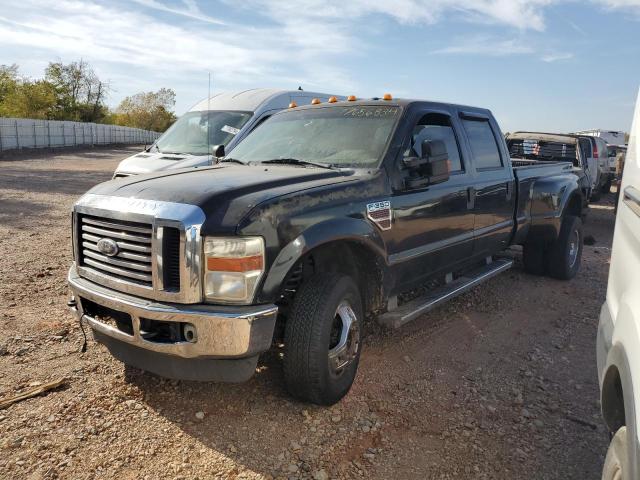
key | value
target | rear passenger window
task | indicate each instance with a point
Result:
(483, 144)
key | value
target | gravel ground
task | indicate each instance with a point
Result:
(500, 383)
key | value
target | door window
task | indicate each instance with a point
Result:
(435, 126)
(483, 144)
(585, 147)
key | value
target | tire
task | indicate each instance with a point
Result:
(595, 195)
(616, 464)
(534, 258)
(313, 333)
(606, 188)
(565, 254)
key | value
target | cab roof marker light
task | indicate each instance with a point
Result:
(332, 100)
(387, 96)
(315, 101)
(351, 98)
(293, 105)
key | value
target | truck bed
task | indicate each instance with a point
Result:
(524, 169)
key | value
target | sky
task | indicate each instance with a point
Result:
(552, 65)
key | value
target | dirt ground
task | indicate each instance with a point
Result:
(500, 383)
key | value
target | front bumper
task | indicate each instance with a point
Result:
(226, 347)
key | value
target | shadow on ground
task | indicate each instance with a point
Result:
(50, 181)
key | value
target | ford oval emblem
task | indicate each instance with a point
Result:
(108, 247)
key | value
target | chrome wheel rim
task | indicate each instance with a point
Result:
(344, 341)
(574, 247)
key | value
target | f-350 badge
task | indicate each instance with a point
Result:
(380, 214)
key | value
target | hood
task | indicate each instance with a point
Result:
(225, 192)
(147, 162)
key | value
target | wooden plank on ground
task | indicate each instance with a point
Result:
(34, 392)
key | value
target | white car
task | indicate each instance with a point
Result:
(612, 137)
(596, 152)
(226, 117)
(618, 342)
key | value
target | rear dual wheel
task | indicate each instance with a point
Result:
(323, 339)
(565, 253)
(562, 258)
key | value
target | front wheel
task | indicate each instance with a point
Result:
(323, 339)
(616, 463)
(565, 253)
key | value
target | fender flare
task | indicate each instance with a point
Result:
(549, 205)
(338, 229)
(570, 191)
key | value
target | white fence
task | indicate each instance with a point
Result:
(18, 133)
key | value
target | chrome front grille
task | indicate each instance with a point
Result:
(147, 248)
(133, 260)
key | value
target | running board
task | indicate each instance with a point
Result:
(413, 309)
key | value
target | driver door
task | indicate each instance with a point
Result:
(433, 225)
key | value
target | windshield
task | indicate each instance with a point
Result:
(338, 136)
(189, 133)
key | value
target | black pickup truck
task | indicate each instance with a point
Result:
(325, 215)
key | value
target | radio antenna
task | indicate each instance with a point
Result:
(209, 122)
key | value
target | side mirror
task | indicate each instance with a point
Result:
(431, 168)
(435, 151)
(218, 151)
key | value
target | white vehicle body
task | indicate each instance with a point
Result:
(618, 342)
(597, 154)
(612, 137)
(246, 109)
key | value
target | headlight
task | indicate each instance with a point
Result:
(233, 268)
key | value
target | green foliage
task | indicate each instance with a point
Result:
(74, 92)
(147, 110)
(80, 94)
(8, 80)
(29, 100)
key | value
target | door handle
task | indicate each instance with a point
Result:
(632, 199)
(471, 198)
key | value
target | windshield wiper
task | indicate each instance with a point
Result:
(295, 161)
(233, 160)
(186, 154)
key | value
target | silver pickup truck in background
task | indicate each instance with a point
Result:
(227, 117)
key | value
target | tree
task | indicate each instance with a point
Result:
(21, 97)
(75, 92)
(147, 110)
(29, 100)
(8, 80)
(80, 93)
